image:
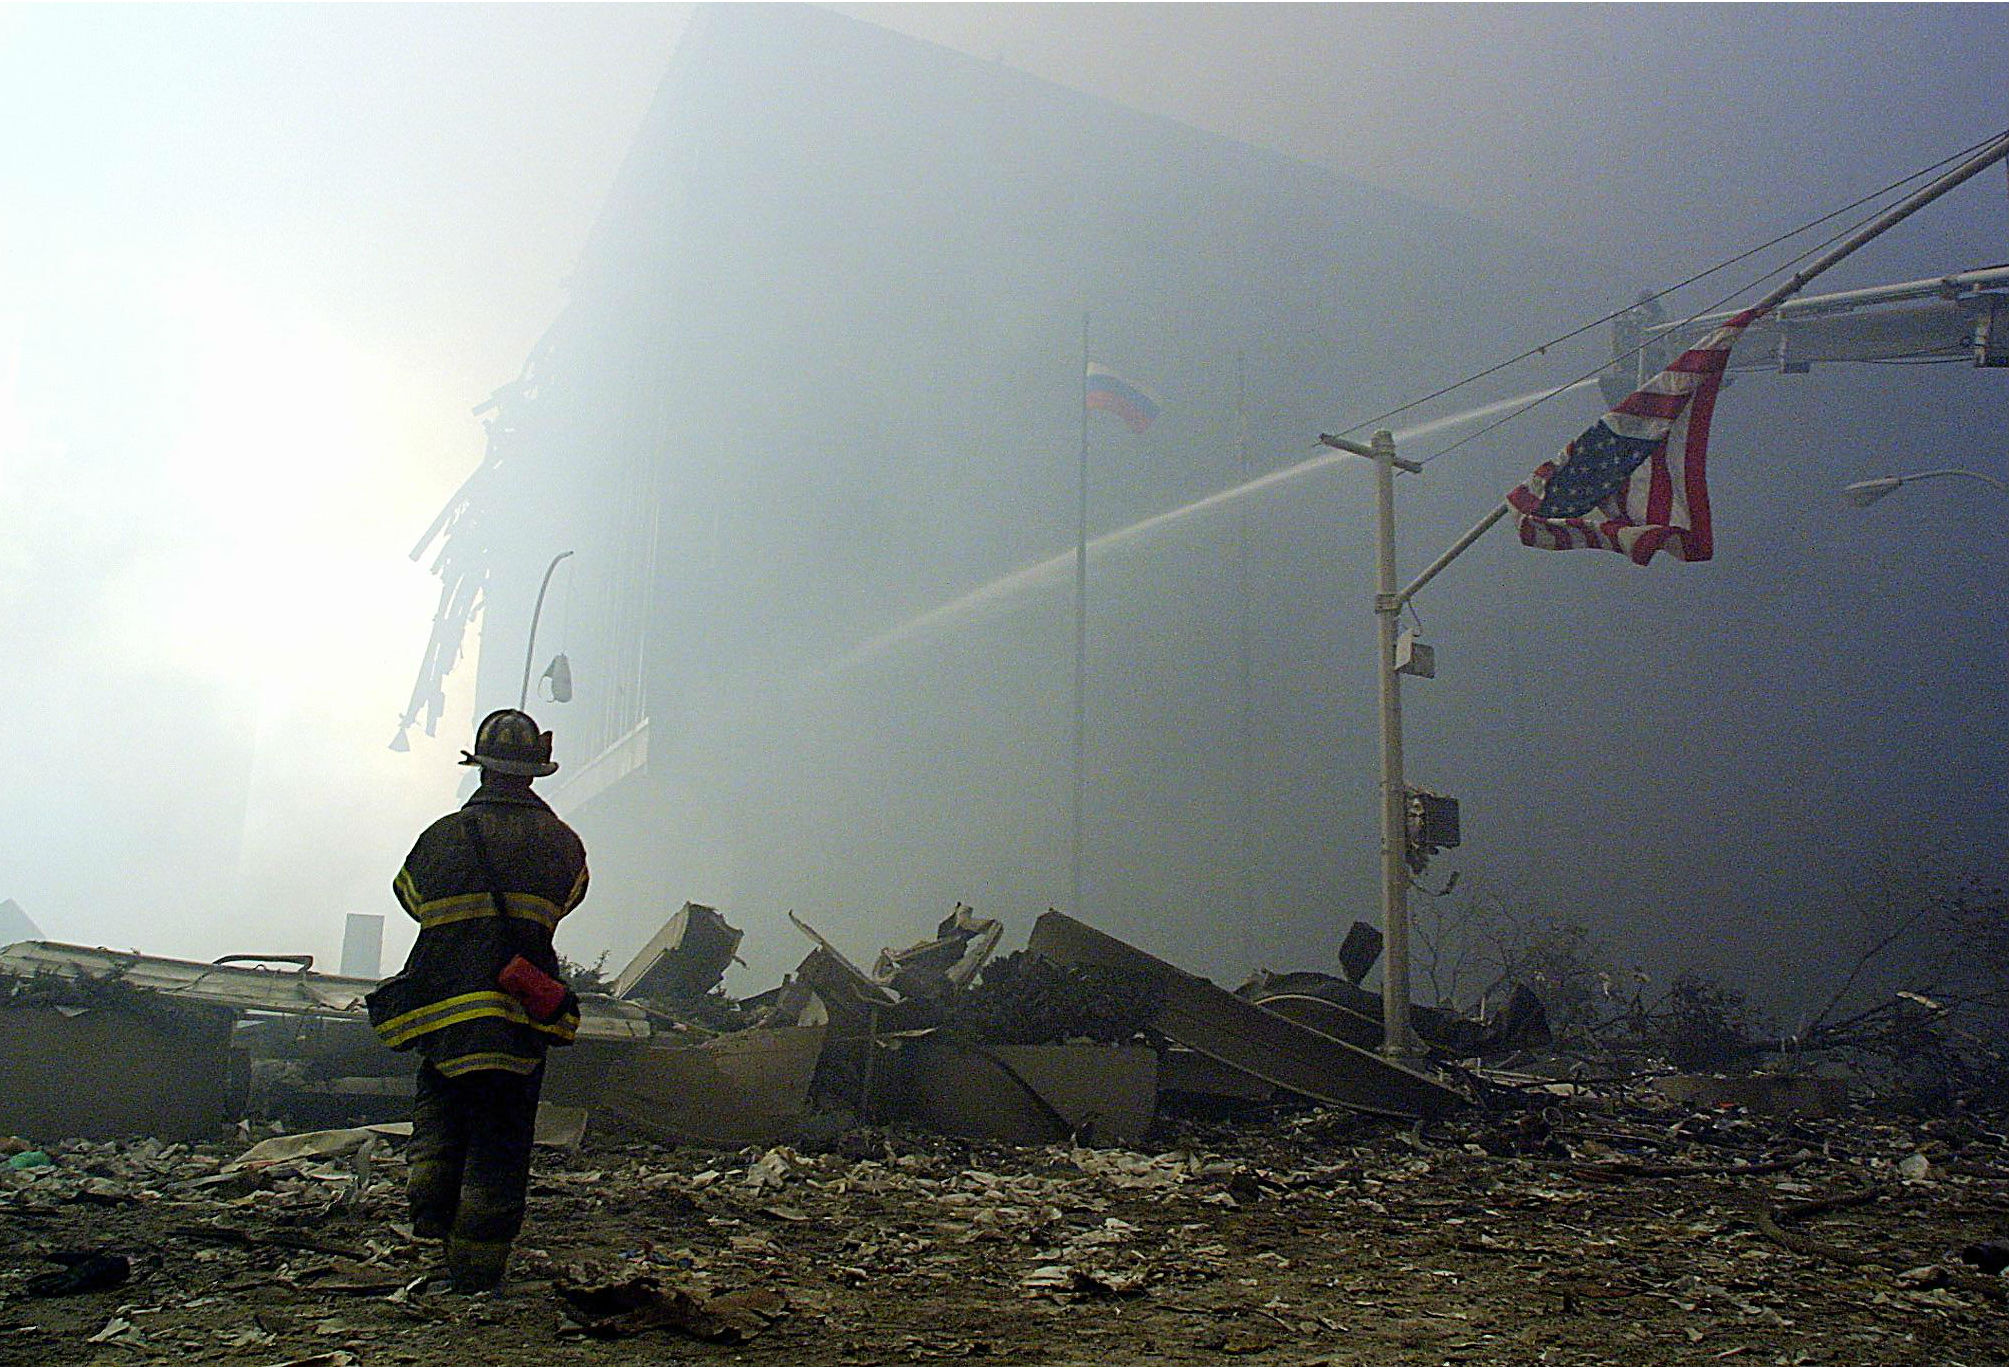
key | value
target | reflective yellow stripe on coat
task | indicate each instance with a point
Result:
(475, 1063)
(469, 1006)
(468, 906)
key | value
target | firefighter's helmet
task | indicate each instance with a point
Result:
(508, 742)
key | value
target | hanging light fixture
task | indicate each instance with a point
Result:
(559, 673)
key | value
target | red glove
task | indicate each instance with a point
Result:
(542, 995)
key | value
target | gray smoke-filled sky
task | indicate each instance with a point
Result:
(257, 264)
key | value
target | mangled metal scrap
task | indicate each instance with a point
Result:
(1025, 998)
(851, 997)
(1344, 1010)
(1218, 1023)
(201, 1045)
(1312, 1000)
(297, 991)
(1003, 1058)
(686, 959)
(936, 968)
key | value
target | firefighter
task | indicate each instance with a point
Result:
(480, 998)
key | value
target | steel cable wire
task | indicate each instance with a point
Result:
(1542, 348)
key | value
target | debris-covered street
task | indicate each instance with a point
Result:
(1586, 1228)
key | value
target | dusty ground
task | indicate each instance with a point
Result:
(1311, 1237)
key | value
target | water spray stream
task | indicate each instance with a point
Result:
(1007, 587)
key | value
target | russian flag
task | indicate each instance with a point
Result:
(1127, 399)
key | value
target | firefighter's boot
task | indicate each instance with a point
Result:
(476, 1264)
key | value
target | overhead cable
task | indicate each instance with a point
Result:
(1702, 312)
(1574, 333)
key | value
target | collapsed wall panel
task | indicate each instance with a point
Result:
(747, 1088)
(686, 958)
(1239, 1033)
(116, 1071)
(1031, 1093)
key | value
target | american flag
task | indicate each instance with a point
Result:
(1634, 483)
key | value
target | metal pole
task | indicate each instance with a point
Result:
(1081, 631)
(1890, 218)
(1397, 1041)
(1458, 548)
(530, 650)
(1245, 769)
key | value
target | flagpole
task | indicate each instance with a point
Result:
(1890, 218)
(1244, 675)
(1081, 632)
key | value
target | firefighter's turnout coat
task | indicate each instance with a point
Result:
(446, 1003)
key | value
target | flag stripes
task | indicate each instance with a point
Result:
(1636, 482)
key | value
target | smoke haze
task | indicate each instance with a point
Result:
(257, 265)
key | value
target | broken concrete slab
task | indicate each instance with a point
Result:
(685, 960)
(314, 1145)
(126, 1064)
(559, 1127)
(1192, 1073)
(1030, 1093)
(1197, 1013)
(746, 1088)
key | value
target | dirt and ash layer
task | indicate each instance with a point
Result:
(1586, 1229)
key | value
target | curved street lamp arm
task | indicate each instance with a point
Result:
(2000, 487)
(530, 650)
(1864, 492)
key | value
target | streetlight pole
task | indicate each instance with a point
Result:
(1867, 491)
(1397, 1039)
(530, 650)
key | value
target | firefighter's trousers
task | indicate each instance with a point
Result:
(470, 1166)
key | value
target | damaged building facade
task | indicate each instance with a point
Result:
(821, 375)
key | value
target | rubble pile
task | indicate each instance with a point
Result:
(1023, 998)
